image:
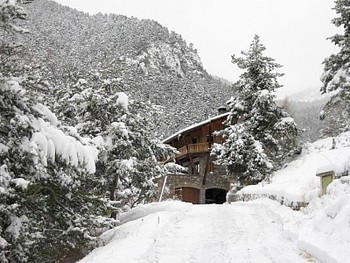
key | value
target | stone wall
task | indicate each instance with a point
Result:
(248, 197)
(214, 180)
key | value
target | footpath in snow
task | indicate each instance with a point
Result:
(180, 232)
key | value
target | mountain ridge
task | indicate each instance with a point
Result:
(156, 64)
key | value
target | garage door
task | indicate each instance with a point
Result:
(188, 194)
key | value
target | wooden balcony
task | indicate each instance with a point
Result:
(193, 148)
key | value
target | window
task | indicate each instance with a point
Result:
(196, 168)
(210, 138)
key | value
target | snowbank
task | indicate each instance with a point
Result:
(325, 233)
(322, 228)
(144, 225)
(147, 209)
(297, 184)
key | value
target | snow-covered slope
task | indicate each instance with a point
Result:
(152, 62)
(325, 229)
(297, 183)
(323, 226)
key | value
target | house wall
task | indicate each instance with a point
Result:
(175, 181)
(214, 175)
(200, 133)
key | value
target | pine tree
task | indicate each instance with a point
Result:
(242, 155)
(336, 75)
(11, 12)
(132, 162)
(259, 135)
(47, 208)
(124, 133)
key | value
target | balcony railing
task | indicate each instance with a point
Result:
(193, 148)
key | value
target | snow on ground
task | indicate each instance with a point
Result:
(323, 229)
(297, 182)
(181, 232)
(261, 230)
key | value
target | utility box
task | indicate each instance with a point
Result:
(325, 178)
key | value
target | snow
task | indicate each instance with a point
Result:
(342, 74)
(123, 100)
(324, 169)
(49, 141)
(13, 86)
(17, 223)
(42, 109)
(20, 183)
(256, 231)
(287, 120)
(4, 179)
(128, 165)
(3, 243)
(182, 232)
(171, 55)
(122, 128)
(325, 233)
(178, 134)
(82, 82)
(40, 146)
(3, 148)
(99, 141)
(264, 92)
(297, 182)
(260, 230)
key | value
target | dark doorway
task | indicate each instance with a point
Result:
(188, 194)
(215, 196)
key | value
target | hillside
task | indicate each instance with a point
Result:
(154, 64)
(305, 108)
(307, 116)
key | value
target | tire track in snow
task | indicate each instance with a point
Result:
(240, 232)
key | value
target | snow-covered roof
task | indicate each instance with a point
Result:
(325, 169)
(194, 126)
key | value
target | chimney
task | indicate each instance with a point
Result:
(222, 110)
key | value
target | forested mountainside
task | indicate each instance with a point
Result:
(307, 116)
(150, 62)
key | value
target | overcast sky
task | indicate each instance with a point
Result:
(293, 31)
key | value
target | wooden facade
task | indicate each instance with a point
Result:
(204, 182)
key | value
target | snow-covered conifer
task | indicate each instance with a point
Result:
(242, 155)
(44, 180)
(124, 133)
(258, 134)
(11, 13)
(336, 74)
(47, 208)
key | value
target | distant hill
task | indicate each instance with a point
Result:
(156, 64)
(305, 108)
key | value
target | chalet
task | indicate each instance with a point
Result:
(205, 182)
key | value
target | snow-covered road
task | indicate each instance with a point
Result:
(240, 232)
(225, 233)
